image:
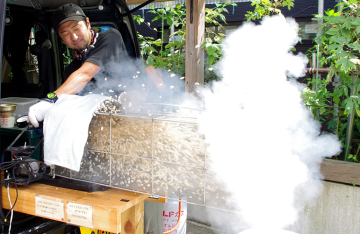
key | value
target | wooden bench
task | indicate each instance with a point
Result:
(113, 210)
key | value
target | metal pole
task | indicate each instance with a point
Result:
(2, 29)
(172, 39)
(321, 9)
(350, 125)
(314, 65)
(338, 8)
(320, 22)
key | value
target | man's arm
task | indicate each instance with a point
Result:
(78, 79)
(74, 84)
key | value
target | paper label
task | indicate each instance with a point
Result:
(80, 214)
(50, 208)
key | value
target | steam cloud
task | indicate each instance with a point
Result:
(129, 77)
(265, 147)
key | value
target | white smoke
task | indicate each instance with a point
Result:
(263, 142)
(128, 78)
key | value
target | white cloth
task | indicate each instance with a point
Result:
(66, 127)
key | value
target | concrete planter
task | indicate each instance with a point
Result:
(335, 211)
(341, 171)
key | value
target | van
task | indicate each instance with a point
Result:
(34, 56)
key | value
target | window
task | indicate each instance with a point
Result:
(30, 66)
(308, 29)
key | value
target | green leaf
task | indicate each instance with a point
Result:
(356, 21)
(340, 55)
(347, 24)
(210, 50)
(158, 42)
(169, 21)
(357, 111)
(217, 39)
(346, 33)
(331, 124)
(334, 46)
(340, 39)
(346, 64)
(330, 12)
(156, 18)
(356, 46)
(349, 105)
(341, 61)
(211, 60)
(332, 31)
(150, 61)
(216, 55)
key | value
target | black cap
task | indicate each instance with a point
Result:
(66, 13)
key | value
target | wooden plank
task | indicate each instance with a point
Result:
(139, 218)
(128, 221)
(195, 33)
(108, 207)
(132, 220)
(341, 171)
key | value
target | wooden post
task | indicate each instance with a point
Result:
(195, 33)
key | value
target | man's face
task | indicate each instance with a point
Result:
(76, 34)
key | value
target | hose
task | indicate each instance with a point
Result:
(178, 222)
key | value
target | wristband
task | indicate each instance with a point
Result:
(46, 99)
(52, 96)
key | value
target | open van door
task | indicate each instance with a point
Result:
(2, 27)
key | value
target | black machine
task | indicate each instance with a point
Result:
(20, 168)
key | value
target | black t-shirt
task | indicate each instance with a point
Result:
(108, 51)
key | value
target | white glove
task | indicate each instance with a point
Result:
(37, 112)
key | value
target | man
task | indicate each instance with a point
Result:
(93, 51)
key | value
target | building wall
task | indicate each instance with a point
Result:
(303, 10)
